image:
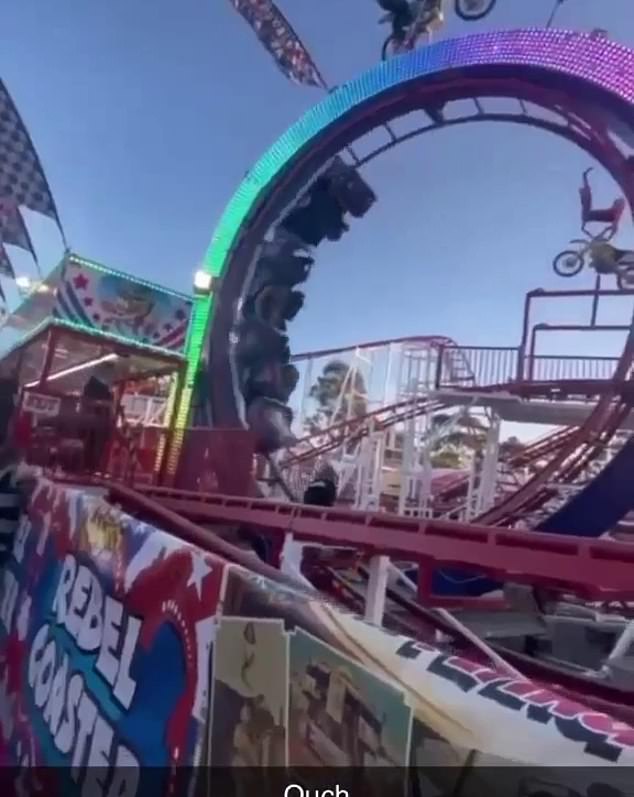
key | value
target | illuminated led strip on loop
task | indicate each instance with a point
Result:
(599, 62)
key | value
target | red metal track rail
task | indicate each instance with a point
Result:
(357, 428)
(600, 419)
(575, 468)
(601, 697)
(597, 570)
(530, 454)
(542, 447)
(579, 459)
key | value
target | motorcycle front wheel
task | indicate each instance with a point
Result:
(473, 10)
(387, 49)
(625, 278)
(568, 263)
(391, 47)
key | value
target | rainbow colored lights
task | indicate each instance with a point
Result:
(598, 62)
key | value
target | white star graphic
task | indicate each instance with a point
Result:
(200, 570)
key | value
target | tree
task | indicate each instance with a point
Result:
(464, 437)
(447, 458)
(340, 394)
(511, 447)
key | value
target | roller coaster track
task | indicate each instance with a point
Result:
(530, 454)
(572, 455)
(415, 620)
(595, 569)
(355, 429)
(603, 421)
(404, 615)
(595, 447)
(542, 447)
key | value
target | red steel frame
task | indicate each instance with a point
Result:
(528, 340)
(596, 569)
(278, 519)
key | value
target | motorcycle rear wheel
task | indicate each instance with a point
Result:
(625, 279)
(568, 263)
(473, 10)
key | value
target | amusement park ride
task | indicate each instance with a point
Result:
(519, 554)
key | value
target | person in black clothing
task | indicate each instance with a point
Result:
(14, 492)
(97, 415)
(97, 388)
(402, 16)
(322, 491)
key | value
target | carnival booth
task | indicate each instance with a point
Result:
(88, 338)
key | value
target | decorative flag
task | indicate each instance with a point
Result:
(278, 37)
(12, 227)
(21, 175)
(6, 269)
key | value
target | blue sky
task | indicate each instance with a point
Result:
(147, 113)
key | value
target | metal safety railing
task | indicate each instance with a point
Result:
(558, 368)
(487, 365)
(501, 365)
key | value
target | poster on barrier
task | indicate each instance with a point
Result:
(106, 634)
(250, 694)
(468, 718)
(128, 657)
(340, 713)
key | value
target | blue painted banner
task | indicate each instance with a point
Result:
(106, 632)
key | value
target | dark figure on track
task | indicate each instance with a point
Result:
(98, 415)
(322, 491)
(406, 13)
(403, 15)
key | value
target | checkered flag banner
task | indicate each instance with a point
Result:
(22, 178)
(278, 37)
(13, 230)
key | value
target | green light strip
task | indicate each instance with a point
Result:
(201, 314)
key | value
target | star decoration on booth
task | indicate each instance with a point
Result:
(200, 570)
(80, 282)
(88, 301)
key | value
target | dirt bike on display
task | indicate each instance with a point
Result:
(599, 255)
(595, 250)
(420, 17)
